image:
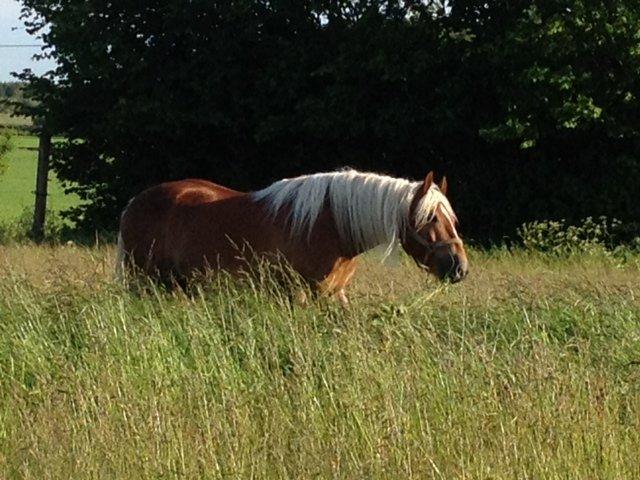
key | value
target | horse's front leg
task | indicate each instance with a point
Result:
(342, 298)
(337, 280)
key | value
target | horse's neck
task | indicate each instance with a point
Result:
(324, 232)
(348, 247)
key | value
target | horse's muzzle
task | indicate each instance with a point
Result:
(458, 272)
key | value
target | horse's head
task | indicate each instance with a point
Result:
(431, 237)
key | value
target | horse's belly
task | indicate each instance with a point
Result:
(192, 252)
(223, 238)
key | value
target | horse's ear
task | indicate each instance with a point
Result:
(444, 186)
(428, 181)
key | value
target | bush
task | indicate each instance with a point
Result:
(18, 230)
(6, 145)
(591, 235)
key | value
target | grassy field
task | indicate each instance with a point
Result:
(528, 369)
(7, 120)
(18, 183)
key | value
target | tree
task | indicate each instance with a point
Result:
(556, 95)
(9, 92)
(530, 108)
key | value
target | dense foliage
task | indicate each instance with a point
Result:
(5, 147)
(530, 108)
(9, 91)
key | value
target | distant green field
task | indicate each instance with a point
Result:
(6, 120)
(18, 182)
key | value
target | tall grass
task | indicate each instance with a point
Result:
(530, 369)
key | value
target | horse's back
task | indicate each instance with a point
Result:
(148, 223)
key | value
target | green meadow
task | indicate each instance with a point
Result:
(529, 369)
(17, 185)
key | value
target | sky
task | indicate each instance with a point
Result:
(12, 32)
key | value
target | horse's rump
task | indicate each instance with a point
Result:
(157, 221)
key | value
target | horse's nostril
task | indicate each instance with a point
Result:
(460, 273)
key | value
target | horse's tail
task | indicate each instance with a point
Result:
(121, 254)
(120, 259)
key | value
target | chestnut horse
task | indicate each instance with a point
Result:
(319, 223)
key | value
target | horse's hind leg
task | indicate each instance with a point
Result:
(121, 259)
(173, 282)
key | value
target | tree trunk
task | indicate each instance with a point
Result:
(44, 150)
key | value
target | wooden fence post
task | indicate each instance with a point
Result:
(44, 151)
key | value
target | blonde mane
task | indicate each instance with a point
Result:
(369, 209)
